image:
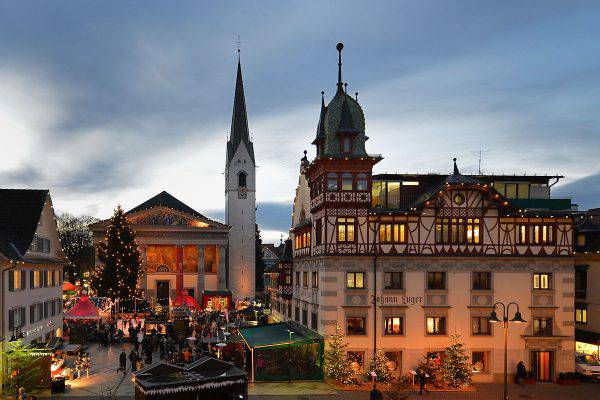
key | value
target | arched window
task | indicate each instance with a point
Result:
(346, 181)
(332, 182)
(361, 181)
(242, 179)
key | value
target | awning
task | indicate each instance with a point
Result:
(186, 299)
(278, 334)
(587, 337)
(68, 287)
(84, 309)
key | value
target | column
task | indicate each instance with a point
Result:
(221, 268)
(200, 281)
(144, 277)
(179, 277)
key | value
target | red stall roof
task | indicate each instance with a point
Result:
(84, 309)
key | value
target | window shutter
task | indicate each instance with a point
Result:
(22, 317)
(23, 279)
(31, 280)
(45, 278)
(11, 281)
(32, 313)
(11, 319)
(45, 309)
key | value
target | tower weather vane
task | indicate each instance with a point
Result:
(239, 43)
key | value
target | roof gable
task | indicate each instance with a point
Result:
(20, 211)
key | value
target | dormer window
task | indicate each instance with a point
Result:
(361, 181)
(347, 144)
(242, 179)
(346, 181)
(332, 182)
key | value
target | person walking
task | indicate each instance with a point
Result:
(133, 357)
(122, 362)
(521, 372)
(422, 379)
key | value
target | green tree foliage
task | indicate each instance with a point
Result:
(259, 263)
(23, 368)
(121, 265)
(337, 366)
(457, 368)
(76, 241)
(379, 365)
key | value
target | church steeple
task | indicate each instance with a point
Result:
(239, 119)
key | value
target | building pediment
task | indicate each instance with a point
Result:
(162, 216)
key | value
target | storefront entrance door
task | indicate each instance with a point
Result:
(541, 365)
(162, 293)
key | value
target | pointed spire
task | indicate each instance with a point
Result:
(239, 119)
(339, 47)
(346, 120)
(455, 167)
(321, 125)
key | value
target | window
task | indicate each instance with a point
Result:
(482, 280)
(361, 181)
(355, 280)
(16, 280)
(287, 276)
(542, 326)
(315, 279)
(521, 234)
(313, 320)
(542, 281)
(36, 312)
(436, 325)
(480, 326)
(356, 325)
(580, 282)
(395, 360)
(210, 259)
(347, 144)
(345, 230)
(378, 195)
(318, 231)
(541, 234)
(332, 182)
(393, 194)
(392, 233)
(40, 244)
(392, 280)
(394, 325)
(457, 231)
(305, 278)
(357, 360)
(580, 314)
(347, 181)
(436, 280)
(297, 283)
(479, 359)
(35, 279)
(581, 240)
(242, 179)
(16, 318)
(302, 240)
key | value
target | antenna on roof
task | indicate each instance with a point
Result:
(481, 152)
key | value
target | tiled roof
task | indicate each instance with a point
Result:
(20, 211)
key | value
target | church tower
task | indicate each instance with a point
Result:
(240, 198)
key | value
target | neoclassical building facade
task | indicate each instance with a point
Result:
(180, 247)
(403, 262)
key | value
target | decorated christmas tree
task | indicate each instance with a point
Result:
(337, 366)
(23, 368)
(121, 267)
(432, 365)
(457, 368)
(379, 365)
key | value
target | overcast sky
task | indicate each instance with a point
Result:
(112, 102)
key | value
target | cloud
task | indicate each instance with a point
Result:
(585, 191)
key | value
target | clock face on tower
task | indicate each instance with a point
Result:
(459, 199)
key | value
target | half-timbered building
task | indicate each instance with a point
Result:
(403, 262)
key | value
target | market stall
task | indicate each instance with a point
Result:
(207, 379)
(82, 319)
(284, 351)
(216, 300)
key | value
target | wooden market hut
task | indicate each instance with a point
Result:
(207, 378)
(284, 351)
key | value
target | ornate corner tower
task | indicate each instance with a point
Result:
(240, 199)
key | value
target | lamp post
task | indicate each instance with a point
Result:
(517, 319)
(290, 356)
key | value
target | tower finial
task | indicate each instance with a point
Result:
(455, 167)
(356, 96)
(339, 47)
(322, 98)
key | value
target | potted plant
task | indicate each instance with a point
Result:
(568, 379)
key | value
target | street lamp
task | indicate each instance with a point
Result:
(291, 332)
(517, 319)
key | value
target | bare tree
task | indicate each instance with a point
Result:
(76, 240)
